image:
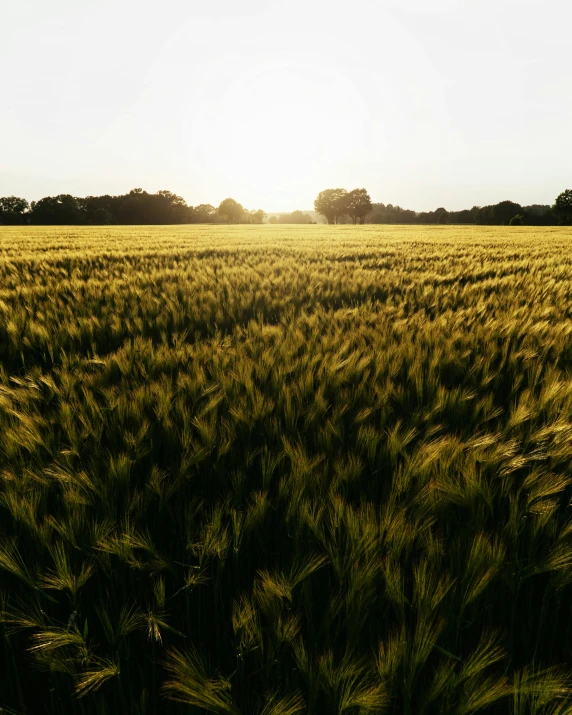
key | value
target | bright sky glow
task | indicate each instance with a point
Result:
(425, 103)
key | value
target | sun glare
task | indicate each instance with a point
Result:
(280, 127)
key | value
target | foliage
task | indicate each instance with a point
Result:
(332, 203)
(285, 470)
(294, 217)
(56, 210)
(230, 210)
(138, 207)
(205, 213)
(358, 204)
(380, 213)
(13, 210)
(500, 214)
(256, 216)
(563, 205)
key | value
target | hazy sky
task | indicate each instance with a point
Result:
(425, 103)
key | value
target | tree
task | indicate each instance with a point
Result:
(380, 213)
(298, 216)
(294, 217)
(407, 216)
(539, 215)
(231, 211)
(167, 207)
(257, 216)
(464, 216)
(537, 210)
(58, 211)
(204, 213)
(358, 204)
(441, 215)
(171, 198)
(101, 216)
(134, 208)
(563, 205)
(171, 207)
(101, 209)
(12, 210)
(515, 220)
(163, 207)
(503, 212)
(484, 215)
(331, 203)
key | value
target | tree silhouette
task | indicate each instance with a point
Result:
(505, 210)
(102, 216)
(166, 207)
(332, 203)
(257, 216)
(380, 213)
(358, 204)
(442, 215)
(57, 210)
(12, 210)
(231, 211)
(294, 217)
(204, 213)
(563, 205)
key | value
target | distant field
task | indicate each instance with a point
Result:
(285, 469)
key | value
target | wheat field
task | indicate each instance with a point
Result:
(269, 470)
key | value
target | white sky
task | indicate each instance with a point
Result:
(425, 103)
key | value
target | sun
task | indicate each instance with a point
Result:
(280, 128)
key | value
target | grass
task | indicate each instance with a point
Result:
(278, 470)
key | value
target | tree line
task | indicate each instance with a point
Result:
(336, 205)
(293, 217)
(136, 207)
(341, 206)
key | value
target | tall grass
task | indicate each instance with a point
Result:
(278, 470)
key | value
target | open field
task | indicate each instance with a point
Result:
(284, 469)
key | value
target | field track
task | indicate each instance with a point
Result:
(269, 470)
